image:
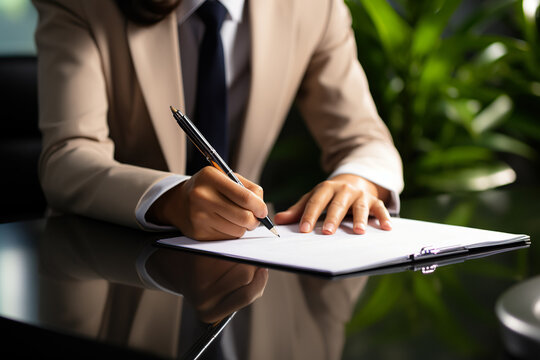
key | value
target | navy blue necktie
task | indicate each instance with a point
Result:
(211, 99)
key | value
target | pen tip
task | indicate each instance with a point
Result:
(173, 109)
(274, 231)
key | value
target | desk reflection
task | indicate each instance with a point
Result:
(112, 284)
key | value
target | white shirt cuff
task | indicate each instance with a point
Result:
(383, 179)
(151, 195)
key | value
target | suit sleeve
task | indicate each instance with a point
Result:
(335, 101)
(77, 168)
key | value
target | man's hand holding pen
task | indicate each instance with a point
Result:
(209, 206)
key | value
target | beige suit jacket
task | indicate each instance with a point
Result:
(106, 84)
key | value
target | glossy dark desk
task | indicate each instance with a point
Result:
(67, 281)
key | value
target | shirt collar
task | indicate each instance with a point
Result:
(235, 9)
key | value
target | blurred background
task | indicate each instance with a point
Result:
(19, 136)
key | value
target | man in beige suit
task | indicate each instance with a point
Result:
(112, 151)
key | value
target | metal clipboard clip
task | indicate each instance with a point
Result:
(430, 252)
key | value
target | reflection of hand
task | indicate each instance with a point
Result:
(215, 288)
(210, 206)
(339, 195)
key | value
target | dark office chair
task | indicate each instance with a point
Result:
(20, 140)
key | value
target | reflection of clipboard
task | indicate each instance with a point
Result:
(409, 242)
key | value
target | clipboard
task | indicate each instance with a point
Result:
(410, 243)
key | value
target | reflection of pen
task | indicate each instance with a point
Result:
(206, 339)
(212, 156)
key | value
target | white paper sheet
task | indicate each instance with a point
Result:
(345, 252)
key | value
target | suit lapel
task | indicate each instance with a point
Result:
(156, 58)
(271, 33)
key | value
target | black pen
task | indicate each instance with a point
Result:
(212, 156)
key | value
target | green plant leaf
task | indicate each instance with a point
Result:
(393, 31)
(493, 115)
(530, 17)
(471, 178)
(491, 54)
(462, 111)
(435, 71)
(454, 157)
(505, 143)
(428, 31)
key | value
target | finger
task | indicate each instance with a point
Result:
(336, 211)
(315, 205)
(207, 200)
(242, 197)
(360, 210)
(217, 228)
(230, 228)
(236, 214)
(381, 213)
(294, 213)
(236, 193)
(251, 186)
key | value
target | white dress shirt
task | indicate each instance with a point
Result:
(236, 39)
